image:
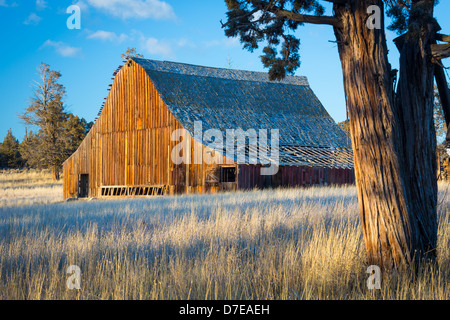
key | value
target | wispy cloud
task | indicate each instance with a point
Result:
(83, 6)
(163, 48)
(33, 19)
(62, 48)
(4, 3)
(155, 9)
(108, 36)
(41, 4)
(184, 42)
(156, 47)
(225, 42)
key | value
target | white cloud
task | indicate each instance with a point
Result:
(33, 19)
(3, 3)
(41, 4)
(155, 9)
(62, 48)
(184, 42)
(83, 6)
(156, 47)
(108, 36)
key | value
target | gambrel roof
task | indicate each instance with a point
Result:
(236, 99)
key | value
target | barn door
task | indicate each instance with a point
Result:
(83, 186)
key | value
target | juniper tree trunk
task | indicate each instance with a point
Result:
(392, 137)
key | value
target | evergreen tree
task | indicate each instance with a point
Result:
(30, 151)
(10, 153)
(75, 130)
(391, 116)
(10, 150)
(47, 112)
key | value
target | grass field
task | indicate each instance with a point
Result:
(271, 244)
(25, 187)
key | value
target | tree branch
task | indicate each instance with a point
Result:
(279, 12)
(442, 37)
(440, 51)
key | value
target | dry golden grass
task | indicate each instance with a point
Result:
(271, 244)
(28, 187)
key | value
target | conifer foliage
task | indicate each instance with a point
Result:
(59, 132)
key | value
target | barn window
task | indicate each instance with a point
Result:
(228, 174)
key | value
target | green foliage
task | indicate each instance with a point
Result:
(9, 152)
(33, 147)
(59, 133)
(30, 151)
(402, 12)
(399, 16)
(253, 24)
(47, 112)
(75, 131)
(271, 22)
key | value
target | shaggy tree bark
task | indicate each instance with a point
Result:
(392, 136)
(392, 132)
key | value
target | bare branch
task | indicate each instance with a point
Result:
(440, 51)
(443, 37)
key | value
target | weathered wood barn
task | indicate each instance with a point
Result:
(445, 171)
(128, 150)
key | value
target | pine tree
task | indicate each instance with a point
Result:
(47, 112)
(30, 151)
(75, 130)
(10, 153)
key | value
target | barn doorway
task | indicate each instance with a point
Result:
(228, 178)
(83, 186)
(228, 174)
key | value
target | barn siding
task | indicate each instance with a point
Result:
(292, 176)
(130, 145)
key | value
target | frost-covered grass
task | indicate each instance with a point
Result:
(25, 187)
(271, 244)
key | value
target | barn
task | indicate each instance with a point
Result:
(135, 146)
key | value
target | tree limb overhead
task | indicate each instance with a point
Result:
(288, 14)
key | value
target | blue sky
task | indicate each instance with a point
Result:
(35, 31)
